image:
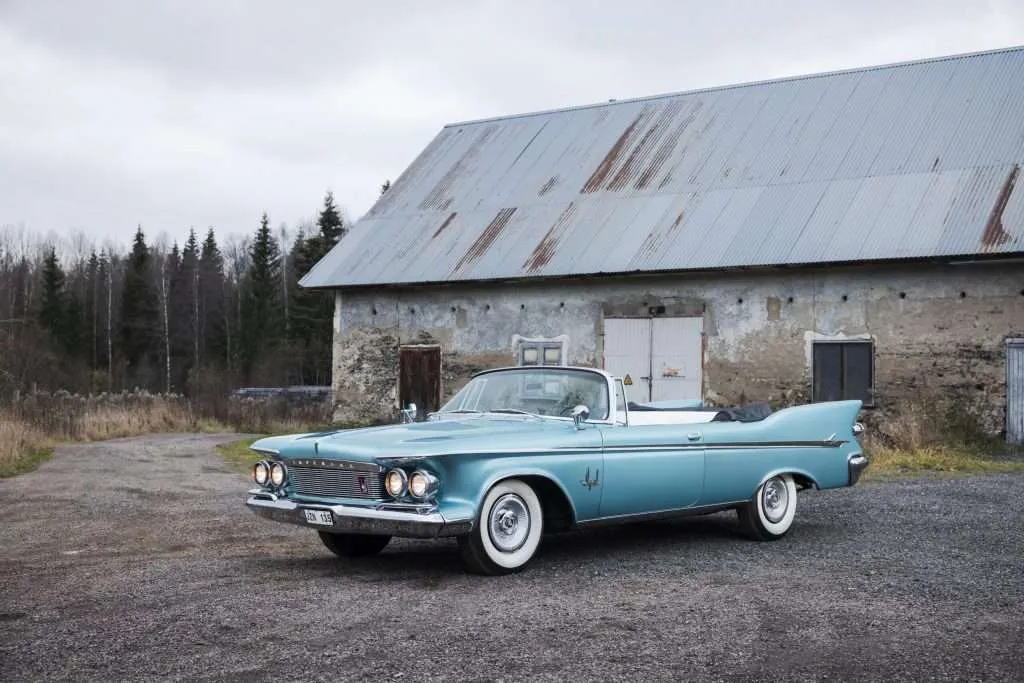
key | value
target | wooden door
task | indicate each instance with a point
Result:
(419, 378)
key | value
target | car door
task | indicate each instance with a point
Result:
(651, 468)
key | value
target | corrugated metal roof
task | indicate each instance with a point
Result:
(911, 160)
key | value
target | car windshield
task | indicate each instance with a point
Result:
(552, 392)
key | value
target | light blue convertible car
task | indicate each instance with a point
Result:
(519, 452)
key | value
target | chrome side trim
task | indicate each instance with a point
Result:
(265, 451)
(581, 450)
(661, 514)
(361, 520)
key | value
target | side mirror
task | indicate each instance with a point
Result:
(409, 414)
(579, 414)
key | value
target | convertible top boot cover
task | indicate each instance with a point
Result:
(751, 412)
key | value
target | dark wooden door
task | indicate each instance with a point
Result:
(419, 378)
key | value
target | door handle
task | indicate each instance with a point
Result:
(693, 436)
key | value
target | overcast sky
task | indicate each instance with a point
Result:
(179, 113)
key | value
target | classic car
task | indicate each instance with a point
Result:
(523, 451)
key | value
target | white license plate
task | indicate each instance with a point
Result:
(319, 517)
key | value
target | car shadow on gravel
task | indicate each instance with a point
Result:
(400, 560)
(429, 560)
(646, 537)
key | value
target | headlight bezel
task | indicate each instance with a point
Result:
(430, 485)
(264, 467)
(278, 467)
(403, 478)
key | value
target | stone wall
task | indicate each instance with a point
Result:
(939, 331)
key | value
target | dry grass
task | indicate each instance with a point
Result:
(891, 461)
(277, 415)
(934, 437)
(62, 416)
(32, 426)
(22, 447)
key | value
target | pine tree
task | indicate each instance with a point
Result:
(72, 335)
(51, 308)
(188, 306)
(61, 312)
(332, 227)
(262, 320)
(313, 310)
(214, 333)
(139, 313)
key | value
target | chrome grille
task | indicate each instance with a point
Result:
(337, 480)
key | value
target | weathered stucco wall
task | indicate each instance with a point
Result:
(938, 330)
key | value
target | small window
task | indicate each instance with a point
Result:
(541, 352)
(844, 370)
(553, 355)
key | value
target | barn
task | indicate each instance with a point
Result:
(854, 234)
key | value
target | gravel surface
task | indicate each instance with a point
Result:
(136, 560)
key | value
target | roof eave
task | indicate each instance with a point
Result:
(950, 260)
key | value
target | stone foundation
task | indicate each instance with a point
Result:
(938, 331)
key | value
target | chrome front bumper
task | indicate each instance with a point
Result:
(358, 520)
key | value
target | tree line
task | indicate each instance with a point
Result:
(196, 318)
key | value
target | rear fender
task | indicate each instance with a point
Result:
(797, 473)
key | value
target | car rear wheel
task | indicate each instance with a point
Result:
(353, 545)
(769, 514)
(507, 530)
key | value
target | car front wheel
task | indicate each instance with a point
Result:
(507, 531)
(769, 514)
(353, 545)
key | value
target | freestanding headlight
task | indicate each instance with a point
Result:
(277, 474)
(422, 485)
(396, 482)
(261, 473)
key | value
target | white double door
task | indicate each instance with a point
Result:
(660, 358)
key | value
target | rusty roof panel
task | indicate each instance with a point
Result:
(1010, 234)
(909, 160)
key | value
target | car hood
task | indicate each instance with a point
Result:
(466, 435)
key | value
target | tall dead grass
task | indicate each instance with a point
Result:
(916, 436)
(31, 424)
(20, 444)
(63, 416)
(35, 422)
(277, 415)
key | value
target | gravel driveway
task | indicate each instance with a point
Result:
(136, 560)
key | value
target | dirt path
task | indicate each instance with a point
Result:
(137, 560)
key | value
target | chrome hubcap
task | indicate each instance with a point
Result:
(775, 499)
(509, 523)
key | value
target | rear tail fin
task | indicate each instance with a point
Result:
(830, 420)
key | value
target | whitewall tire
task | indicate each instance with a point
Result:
(507, 531)
(769, 514)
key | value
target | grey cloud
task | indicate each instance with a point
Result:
(174, 113)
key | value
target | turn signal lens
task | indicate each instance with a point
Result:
(395, 483)
(277, 474)
(422, 485)
(260, 473)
